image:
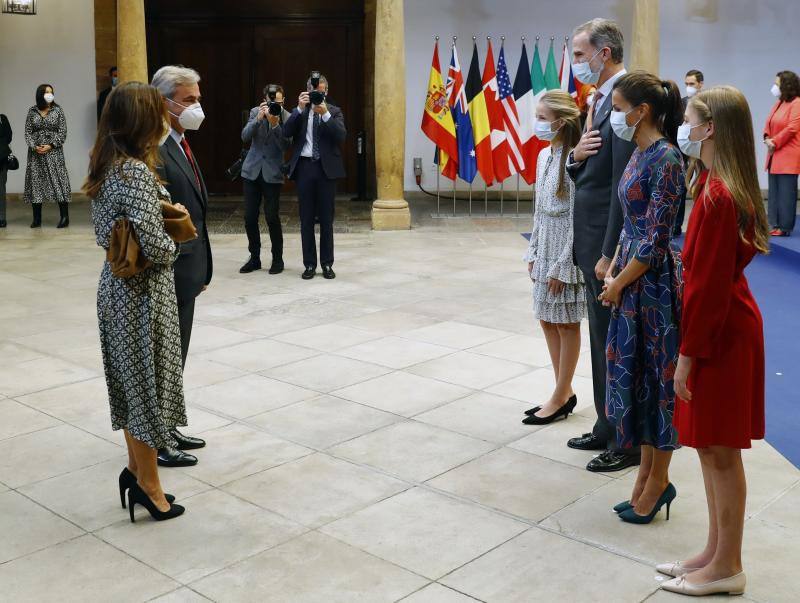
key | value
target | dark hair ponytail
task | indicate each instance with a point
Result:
(663, 96)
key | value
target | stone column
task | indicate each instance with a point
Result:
(645, 43)
(390, 210)
(131, 41)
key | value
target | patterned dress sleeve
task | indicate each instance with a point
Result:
(61, 134)
(143, 208)
(708, 287)
(533, 245)
(29, 131)
(563, 268)
(666, 185)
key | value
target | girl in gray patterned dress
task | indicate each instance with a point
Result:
(558, 294)
(138, 316)
(46, 177)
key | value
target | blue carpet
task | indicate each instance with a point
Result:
(775, 281)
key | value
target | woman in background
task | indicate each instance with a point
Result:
(5, 150)
(782, 137)
(559, 300)
(720, 375)
(46, 177)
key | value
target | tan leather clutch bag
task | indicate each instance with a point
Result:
(123, 253)
(177, 223)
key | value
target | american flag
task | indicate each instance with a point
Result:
(516, 162)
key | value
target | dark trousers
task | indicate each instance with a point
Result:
(599, 319)
(315, 193)
(254, 191)
(185, 318)
(782, 201)
(3, 178)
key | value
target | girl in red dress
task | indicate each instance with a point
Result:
(719, 379)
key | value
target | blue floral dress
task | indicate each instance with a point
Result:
(643, 337)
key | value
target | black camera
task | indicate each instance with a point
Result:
(272, 94)
(317, 97)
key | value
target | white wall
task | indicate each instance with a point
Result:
(56, 46)
(744, 44)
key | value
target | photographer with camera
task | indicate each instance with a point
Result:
(262, 174)
(317, 129)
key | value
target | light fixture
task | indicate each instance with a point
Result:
(19, 7)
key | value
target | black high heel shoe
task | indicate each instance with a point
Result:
(666, 498)
(138, 496)
(562, 412)
(128, 479)
(535, 409)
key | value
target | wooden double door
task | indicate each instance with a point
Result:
(240, 49)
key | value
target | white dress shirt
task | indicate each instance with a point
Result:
(607, 88)
(177, 137)
(308, 147)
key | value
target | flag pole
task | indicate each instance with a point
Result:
(485, 200)
(518, 194)
(454, 197)
(470, 198)
(438, 194)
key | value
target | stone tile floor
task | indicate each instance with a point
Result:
(364, 440)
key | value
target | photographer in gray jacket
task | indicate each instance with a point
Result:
(262, 175)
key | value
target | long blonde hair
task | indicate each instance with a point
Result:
(734, 158)
(564, 108)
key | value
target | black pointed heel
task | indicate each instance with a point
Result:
(126, 480)
(137, 496)
(666, 498)
(535, 409)
(562, 412)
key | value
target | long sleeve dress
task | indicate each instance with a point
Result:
(46, 177)
(550, 247)
(643, 336)
(722, 328)
(138, 316)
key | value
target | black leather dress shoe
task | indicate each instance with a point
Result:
(186, 442)
(172, 457)
(276, 268)
(611, 460)
(251, 265)
(588, 441)
(309, 273)
(328, 272)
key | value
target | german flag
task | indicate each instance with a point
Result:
(479, 117)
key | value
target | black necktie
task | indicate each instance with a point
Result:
(315, 137)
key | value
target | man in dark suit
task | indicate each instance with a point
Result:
(179, 86)
(317, 130)
(103, 96)
(596, 165)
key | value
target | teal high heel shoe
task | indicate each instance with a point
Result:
(666, 498)
(623, 506)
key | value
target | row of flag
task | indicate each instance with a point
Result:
(485, 125)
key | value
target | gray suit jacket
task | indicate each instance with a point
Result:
(267, 147)
(598, 213)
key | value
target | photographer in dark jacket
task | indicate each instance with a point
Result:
(5, 151)
(317, 129)
(263, 177)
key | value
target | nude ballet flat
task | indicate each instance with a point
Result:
(734, 585)
(674, 569)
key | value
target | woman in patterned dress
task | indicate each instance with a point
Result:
(138, 316)
(644, 288)
(46, 177)
(559, 300)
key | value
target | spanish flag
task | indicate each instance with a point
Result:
(437, 120)
(479, 116)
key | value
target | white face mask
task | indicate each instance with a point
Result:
(691, 91)
(544, 130)
(164, 137)
(690, 148)
(590, 100)
(621, 127)
(49, 97)
(584, 73)
(191, 117)
(776, 91)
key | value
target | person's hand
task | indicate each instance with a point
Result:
(681, 378)
(303, 100)
(588, 145)
(530, 270)
(273, 119)
(40, 148)
(770, 145)
(612, 293)
(602, 268)
(321, 109)
(262, 111)
(181, 207)
(555, 286)
(46, 148)
(204, 288)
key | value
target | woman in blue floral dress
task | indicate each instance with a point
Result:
(644, 288)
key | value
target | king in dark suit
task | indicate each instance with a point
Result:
(317, 130)
(183, 179)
